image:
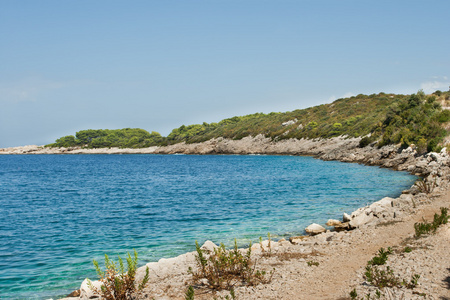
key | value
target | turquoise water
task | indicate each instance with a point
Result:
(58, 212)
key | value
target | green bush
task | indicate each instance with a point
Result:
(381, 258)
(116, 283)
(427, 228)
(224, 269)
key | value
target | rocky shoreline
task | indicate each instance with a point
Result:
(341, 254)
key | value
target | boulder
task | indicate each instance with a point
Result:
(209, 246)
(314, 229)
(360, 220)
(381, 208)
(332, 222)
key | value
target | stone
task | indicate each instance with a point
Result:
(209, 246)
(360, 220)
(298, 239)
(314, 229)
(346, 217)
(332, 222)
(76, 293)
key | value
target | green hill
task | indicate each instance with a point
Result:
(385, 118)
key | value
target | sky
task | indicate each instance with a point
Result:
(72, 65)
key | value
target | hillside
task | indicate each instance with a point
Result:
(383, 118)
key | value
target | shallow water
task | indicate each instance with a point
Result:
(58, 212)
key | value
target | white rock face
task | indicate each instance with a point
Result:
(315, 229)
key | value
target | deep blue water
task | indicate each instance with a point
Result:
(58, 212)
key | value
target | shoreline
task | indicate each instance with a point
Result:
(340, 149)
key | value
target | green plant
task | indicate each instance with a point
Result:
(353, 294)
(381, 277)
(313, 263)
(189, 293)
(381, 258)
(224, 269)
(431, 227)
(365, 141)
(425, 186)
(413, 282)
(116, 283)
(407, 249)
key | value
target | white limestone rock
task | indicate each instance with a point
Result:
(209, 246)
(314, 229)
(332, 222)
(360, 220)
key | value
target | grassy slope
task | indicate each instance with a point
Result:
(389, 118)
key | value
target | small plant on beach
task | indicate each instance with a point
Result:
(431, 227)
(117, 283)
(412, 283)
(224, 269)
(353, 294)
(407, 249)
(313, 263)
(381, 258)
(380, 277)
(189, 293)
(269, 246)
(425, 186)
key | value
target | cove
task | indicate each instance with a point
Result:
(58, 212)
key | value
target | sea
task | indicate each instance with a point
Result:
(59, 212)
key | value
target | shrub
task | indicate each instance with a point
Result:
(313, 263)
(381, 278)
(224, 269)
(365, 141)
(426, 228)
(425, 186)
(422, 146)
(116, 283)
(381, 258)
(189, 293)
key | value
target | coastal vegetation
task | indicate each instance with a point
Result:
(106, 138)
(226, 269)
(431, 227)
(379, 119)
(116, 283)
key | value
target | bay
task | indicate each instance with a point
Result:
(58, 212)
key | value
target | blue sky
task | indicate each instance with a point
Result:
(73, 65)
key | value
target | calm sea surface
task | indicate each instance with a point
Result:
(58, 212)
